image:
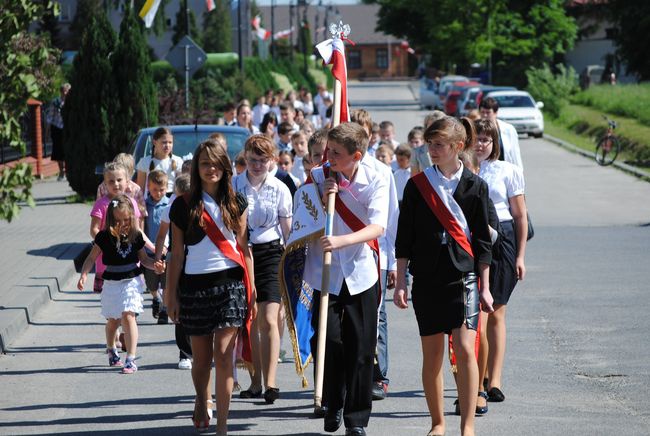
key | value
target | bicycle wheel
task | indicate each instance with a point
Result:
(607, 150)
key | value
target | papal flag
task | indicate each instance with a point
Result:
(148, 12)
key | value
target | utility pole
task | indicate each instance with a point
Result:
(240, 51)
(273, 30)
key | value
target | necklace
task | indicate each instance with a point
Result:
(122, 252)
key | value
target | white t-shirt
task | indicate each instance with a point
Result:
(265, 207)
(205, 257)
(164, 165)
(258, 113)
(505, 180)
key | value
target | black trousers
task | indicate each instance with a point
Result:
(349, 352)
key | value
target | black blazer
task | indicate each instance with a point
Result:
(419, 232)
(287, 180)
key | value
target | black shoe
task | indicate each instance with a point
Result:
(249, 393)
(155, 307)
(271, 395)
(456, 407)
(495, 395)
(163, 318)
(333, 420)
(482, 410)
(379, 391)
(355, 431)
(320, 412)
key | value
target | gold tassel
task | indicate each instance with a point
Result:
(305, 384)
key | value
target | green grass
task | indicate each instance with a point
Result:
(283, 81)
(631, 100)
(587, 124)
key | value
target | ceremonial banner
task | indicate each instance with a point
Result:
(308, 225)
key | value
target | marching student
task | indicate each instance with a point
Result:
(210, 284)
(362, 217)
(443, 238)
(506, 188)
(269, 223)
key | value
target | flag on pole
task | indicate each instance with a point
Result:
(209, 4)
(283, 33)
(148, 12)
(333, 53)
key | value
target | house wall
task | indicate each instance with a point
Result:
(369, 62)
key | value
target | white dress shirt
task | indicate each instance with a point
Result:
(266, 206)
(510, 140)
(504, 181)
(356, 263)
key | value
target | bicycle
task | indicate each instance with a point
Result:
(608, 146)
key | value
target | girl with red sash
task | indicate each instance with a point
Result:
(444, 240)
(209, 286)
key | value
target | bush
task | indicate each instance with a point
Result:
(553, 89)
(627, 100)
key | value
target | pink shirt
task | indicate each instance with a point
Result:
(132, 190)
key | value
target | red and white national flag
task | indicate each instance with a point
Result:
(333, 52)
(209, 4)
(406, 46)
(283, 33)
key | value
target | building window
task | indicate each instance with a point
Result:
(354, 59)
(382, 58)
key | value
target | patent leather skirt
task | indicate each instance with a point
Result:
(446, 299)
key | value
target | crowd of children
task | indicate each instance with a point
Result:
(210, 234)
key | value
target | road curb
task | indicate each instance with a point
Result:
(620, 165)
(28, 298)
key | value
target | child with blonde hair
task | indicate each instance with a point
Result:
(122, 245)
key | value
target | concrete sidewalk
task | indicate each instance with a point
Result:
(38, 252)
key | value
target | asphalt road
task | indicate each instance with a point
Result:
(577, 359)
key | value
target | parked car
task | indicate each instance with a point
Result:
(443, 88)
(428, 93)
(520, 109)
(454, 95)
(187, 137)
(470, 98)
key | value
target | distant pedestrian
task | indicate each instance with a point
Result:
(54, 118)
(122, 246)
(161, 158)
(508, 138)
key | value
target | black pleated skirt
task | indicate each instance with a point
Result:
(212, 301)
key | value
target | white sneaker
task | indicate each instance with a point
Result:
(185, 364)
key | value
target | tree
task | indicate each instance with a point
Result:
(29, 69)
(136, 99)
(516, 34)
(85, 10)
(217, 35)
(632, 22)
(180, 28)
(88, 106)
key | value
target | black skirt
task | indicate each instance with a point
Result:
(266, 261)
(438, 298)
(503, 273)
(212, 301)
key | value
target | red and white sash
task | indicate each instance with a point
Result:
(224, 239)
(444, 207)
(351, 212)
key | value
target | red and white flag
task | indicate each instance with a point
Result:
(283, 33)
(406, 46)
(209, 4)
(333, 52)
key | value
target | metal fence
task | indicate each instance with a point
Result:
(10, 154)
